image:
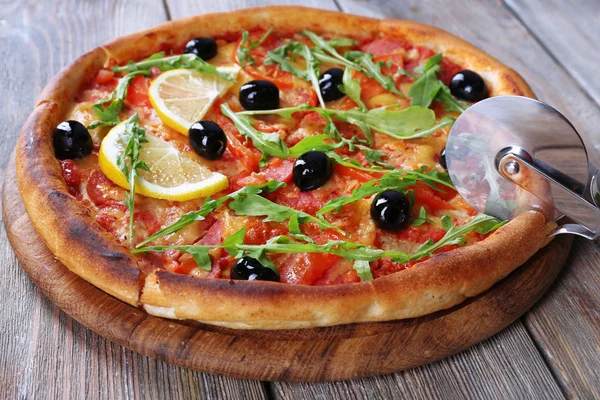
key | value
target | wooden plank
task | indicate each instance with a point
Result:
(570, 32)
(186, 8)
(489, 370)
(565, 324)
(44, 352)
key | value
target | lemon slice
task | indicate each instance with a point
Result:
(172, 176)
(183, 96)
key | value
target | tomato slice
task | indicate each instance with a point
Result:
(353, 173)
(427, 197)
(305, 269)
(271, 73)
(247, 156)
(137, 93)
(104, 76)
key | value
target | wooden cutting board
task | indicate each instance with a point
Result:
(334, 353)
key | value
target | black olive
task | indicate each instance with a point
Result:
(390, 210)
(71, 140)
(203, 47)
(207, 139)
(468, 85)
(443, 159)
(329, 83)
(259, 95)
(250, 269)
(312, 170)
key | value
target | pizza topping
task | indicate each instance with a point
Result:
(207, 139)
(246, 45)
(182, 96)
(329, 84)
(468, 85)
(442, 160)
(203, 47)
(250, 269)
(165, 172)
(71, 140)
(259, 95)
(390, 210)
(312, 170)
(109, 115)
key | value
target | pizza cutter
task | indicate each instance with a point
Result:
(510, 154)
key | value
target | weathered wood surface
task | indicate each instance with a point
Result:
(334, 353)
(45, 352)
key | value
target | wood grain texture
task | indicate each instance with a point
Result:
(44, 352)
(570, 32)
(565, 324)
(334, 353)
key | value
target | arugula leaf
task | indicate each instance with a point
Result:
(373, 70)
(375, 157)
(428, 87)
(351, 88)
(328, 46)
(109, 116)
(311, 73)
(363, 270)
(270, 144)
(295, 232)
(129, 162)
(231, 242)
(252, 204)
(397, 180)
(242, 51)
(422, 218)
(313, 143)
(188, 61)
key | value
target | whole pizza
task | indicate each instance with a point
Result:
(271, 168)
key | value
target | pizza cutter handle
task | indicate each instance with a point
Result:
(515, 164)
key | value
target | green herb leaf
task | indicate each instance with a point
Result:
(396, 180)
(230, 243)
(328, 46)
(363, 270)
(130, 163)
(373, 70)
(109, 116)
(270, 144)
(282, 56)
(188, 61)
(313, 143)
(246, 45)
(295, 232)
(252, 204)
(351, 87)
(209, 206)
(422, 218)
(375, 157)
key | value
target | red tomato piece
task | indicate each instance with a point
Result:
(137, 93)
(271, 73)
(70, 172)
(426, 196)
(279, 170)
(353, 173)
(104, 76)
(103, 192)
(305, 269)
(260, 232)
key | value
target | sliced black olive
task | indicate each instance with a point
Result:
(329, 83)
(259, 95)
(312, 170)
(468, 85)
(443, 159)
(207, 139)
(203, 47)
(250, 269)
(71, 140)
(390, 210)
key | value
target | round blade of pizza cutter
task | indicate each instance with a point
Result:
(540, 134)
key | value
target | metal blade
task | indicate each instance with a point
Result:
(490, 126)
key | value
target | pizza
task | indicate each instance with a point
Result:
(271, 168)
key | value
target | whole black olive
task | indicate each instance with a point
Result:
(250, 269)
(468, 85)
(443, 159)
(207, 139)
(390, 210)
(71, 140)
(259, 95)
(312, 170)
(329, 83)
(203, 47)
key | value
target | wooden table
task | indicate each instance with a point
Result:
(552, 352)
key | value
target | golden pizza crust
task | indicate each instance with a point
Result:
(86, 249)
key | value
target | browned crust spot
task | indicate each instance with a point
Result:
(86, 249)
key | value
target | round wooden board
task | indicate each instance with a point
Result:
(335, 353)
